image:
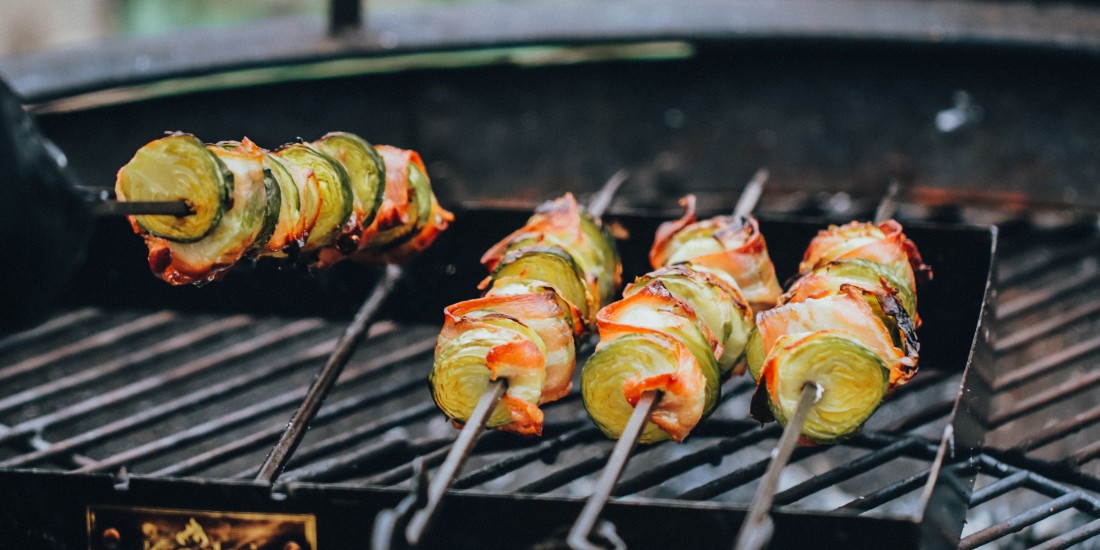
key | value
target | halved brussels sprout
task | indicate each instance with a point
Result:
(336, 197)
(754, 354)
(862, 273)
(548, 266)
(719, 306)
(654, 309)
(177, 167)
(461, 373)
(605, 372)
(202, 261)
(272, 193)
(852, 377)
(365, 168)
(419, 189)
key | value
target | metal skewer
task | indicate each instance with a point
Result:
(276, 459)
(106, 208)
(758, 527)
(586, 521)
(460, 450)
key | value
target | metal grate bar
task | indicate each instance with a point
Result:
(998, 488)
(845, 471)
(921, 417)
(712, 454)
(403, 450)
(1087, 453)
(396, 475)
(564, 476)
(1022, 374)
(151, 414)
(315, 397)
(742, 476)
(1018, 522)
(98, 340)
(127, 392)
(1033, 332)
(1060, 258)
(377, 365)
(344, 439)
(886, 494)
(104, 370)
(1023, 407)
(546, 449)
(1037, 297)
(1070, 538)
(53, 325)
(355, 460)
(253, 440)
(359, 402)
(1061, 429)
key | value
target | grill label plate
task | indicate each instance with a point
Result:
(123, 527)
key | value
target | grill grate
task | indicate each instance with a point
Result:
(173, 394)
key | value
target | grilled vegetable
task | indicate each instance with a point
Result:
(719, 305)
(236, 233)
(405, 173)
(537, 267)
(366, 176)
(846, 313)
(177, 167)
(688, 358)
(337, 201)
(827, 280)
(539, 297)
(730, 246)
(564, 225)
(690, 321)
(317, 207)
(853, 377)
(884, 244)
(633, 363)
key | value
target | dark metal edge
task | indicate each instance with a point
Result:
(947, 493)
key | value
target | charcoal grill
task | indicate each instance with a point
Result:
(162, 398)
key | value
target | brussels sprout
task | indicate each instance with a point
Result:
(419, 212)
(336, 195)
(201, 261)
(862, 273)
(605, 372)
(177, 167)
(548, 266)
(754, 354)
(721, 307)
(272, 193)
(852, 377)
(365, 168)
(461, 373)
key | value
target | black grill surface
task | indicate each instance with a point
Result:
(168, 393)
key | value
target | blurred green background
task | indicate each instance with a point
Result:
(32, 25)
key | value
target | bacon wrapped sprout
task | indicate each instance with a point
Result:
(321, 202)
(543, 291)
(848, 325)
(680, 329)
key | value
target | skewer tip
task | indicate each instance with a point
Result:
(602, 199)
